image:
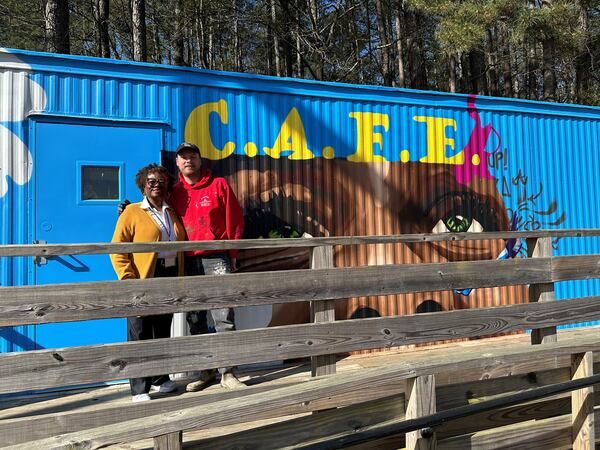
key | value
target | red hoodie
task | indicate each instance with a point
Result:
(209, 210)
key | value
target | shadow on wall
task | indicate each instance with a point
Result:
(17, 339)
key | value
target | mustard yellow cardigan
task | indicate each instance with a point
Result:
(136, 225)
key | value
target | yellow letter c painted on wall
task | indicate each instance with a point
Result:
(197, 130)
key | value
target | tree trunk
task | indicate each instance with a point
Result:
(399, 42)
(237, 64)
(202, 57)
(57, 26)
(452, 74)
(416, 58)
(101, 18)
(138, 19)
(531, 70)
(492, 63)
(319, 66)
(506, 62)
(583, 62)
(210, 47)
(549, 46)
(356, 45)
(464, 81)
(286, 42)
(548, 58)
(297, 31)
(477, 69)
(274, 30)
(178, 45)
(157, 53)
(384, 44)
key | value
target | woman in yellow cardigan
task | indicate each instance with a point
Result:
(151, 220)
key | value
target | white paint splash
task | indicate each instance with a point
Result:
(19, 96)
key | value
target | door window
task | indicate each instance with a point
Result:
(99, 181)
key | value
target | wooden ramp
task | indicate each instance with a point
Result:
(63, 411)
(498, 392)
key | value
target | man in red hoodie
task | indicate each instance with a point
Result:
(209, 210)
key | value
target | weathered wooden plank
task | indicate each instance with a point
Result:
(420, 401)
(582, 404)
(29, 424)
(106, 248)
(553, 433)
(306, 431)
(80, 365)
(322, 312)
(38, 426)
(541, 292)
(309, 429)
(192, 418)
(581, 267)
(86, 301)
(171, 441)
(34, 426)
(45, 425)
(337, 384)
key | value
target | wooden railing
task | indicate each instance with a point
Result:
(322, 340)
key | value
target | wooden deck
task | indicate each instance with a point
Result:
(33, 412)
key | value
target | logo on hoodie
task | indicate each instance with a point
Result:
(205, 201)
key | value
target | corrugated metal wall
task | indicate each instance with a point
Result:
(332, 159)
(18, 97)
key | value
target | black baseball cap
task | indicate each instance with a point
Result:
(187, 146)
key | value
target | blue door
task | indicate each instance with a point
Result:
(81, 173)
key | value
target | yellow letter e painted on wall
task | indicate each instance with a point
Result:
(197, 130)
(291, 138)
(367, 137)
(437, 141)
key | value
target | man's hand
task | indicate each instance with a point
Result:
(122, 206)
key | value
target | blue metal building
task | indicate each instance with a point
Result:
(303, 157)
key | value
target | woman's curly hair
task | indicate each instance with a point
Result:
(142, 175)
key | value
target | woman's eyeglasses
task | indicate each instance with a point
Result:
(154, 183)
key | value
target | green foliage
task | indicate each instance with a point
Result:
(558, 22)
(22, 24)
(462, 25)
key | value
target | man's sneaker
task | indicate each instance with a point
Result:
(229, 381)
(140, 398)
(207, 377)
(165, 388)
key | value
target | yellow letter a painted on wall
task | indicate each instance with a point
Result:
(197, 130)
(291, 138)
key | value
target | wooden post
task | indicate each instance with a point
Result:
(323, 311)
(582, 404)
(543, 292)
(420, 401)
(171, 441)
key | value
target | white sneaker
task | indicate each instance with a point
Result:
(165, 388)
(140, 398)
